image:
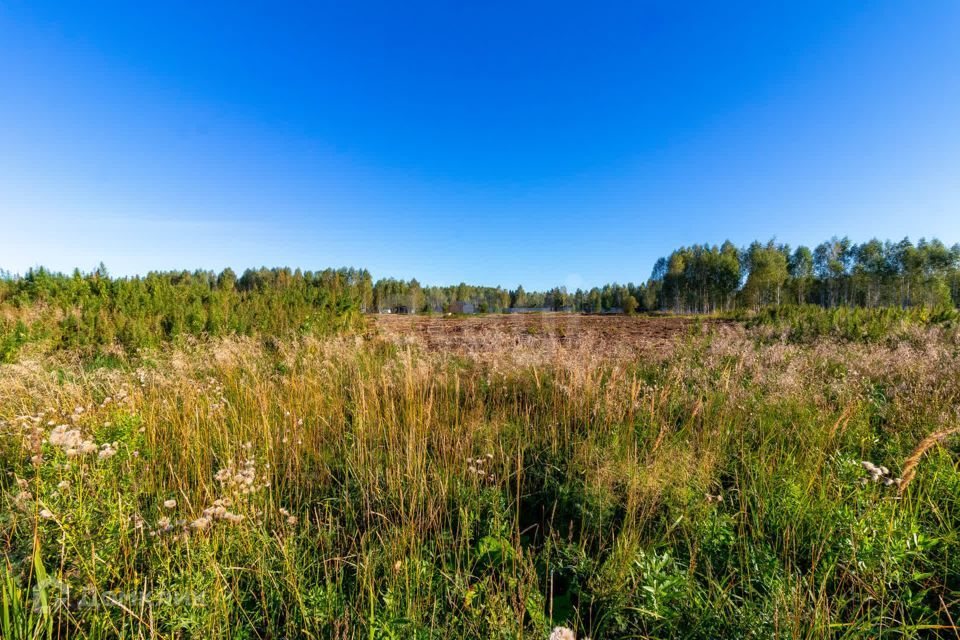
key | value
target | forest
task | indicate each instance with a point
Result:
(711, 278)
(95, 310)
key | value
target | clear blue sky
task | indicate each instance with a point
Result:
(491, 142)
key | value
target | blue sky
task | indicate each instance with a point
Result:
(489, 142)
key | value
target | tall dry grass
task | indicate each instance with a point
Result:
(378, 487)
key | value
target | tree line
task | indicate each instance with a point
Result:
(838, 272)
(95, 309)
(84, 309)
(717, 278)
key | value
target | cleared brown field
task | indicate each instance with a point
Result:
(544, 333)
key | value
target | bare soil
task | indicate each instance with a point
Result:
(650, 335)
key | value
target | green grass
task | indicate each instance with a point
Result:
(716, 493)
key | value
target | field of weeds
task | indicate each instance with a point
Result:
(677, 479)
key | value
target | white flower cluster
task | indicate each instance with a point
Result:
(241, 479)
(564, 633)
(73, 443)
(212, 388)
(22, 499)
(878, 474)
(107, 450)
(121, 396)
(476, 467)
(165, 525)
(219, 512)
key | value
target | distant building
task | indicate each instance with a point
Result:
(395, 304)
(462, 307)
(528, 309)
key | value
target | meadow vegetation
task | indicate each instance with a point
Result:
(793, 475)
(96, 313)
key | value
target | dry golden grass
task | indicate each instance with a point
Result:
(910, 464)
(490, 484)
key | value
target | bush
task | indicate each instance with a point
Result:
(806, 323)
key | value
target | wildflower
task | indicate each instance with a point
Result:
(562, 633)
(877, 474)
(240, 480)
(170, 504)
(291, 520)
(63, 485)
(64, 437)
(200, 524)
(215, 512)
(46, 514)
(164, 526)
(37, 459)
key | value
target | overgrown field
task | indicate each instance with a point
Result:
(733, 482)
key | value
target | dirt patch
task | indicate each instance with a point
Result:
(598, 335)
